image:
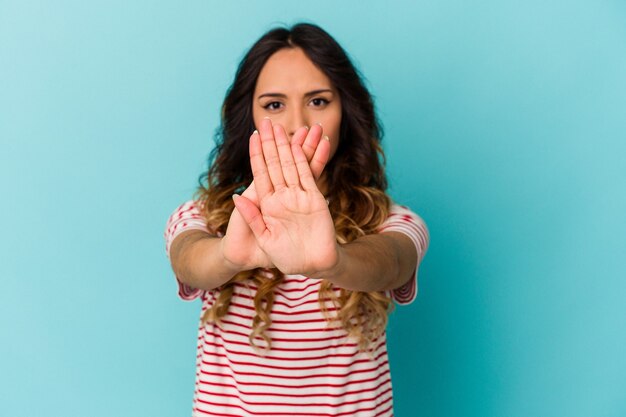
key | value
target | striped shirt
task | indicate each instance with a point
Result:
(312, 369)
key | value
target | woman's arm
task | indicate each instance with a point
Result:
(203, 261)
(197, 260)
(379, 262)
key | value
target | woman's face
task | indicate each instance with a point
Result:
(293, 92)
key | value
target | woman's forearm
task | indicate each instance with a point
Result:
(377, 262)
(371, 263)
(197, 261)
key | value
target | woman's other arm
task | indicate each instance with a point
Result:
(380, 262)
(198, 262)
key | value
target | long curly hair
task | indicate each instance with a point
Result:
(355, 177)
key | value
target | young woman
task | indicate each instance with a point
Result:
(292, 243)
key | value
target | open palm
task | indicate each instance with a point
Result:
(240, 246)
(290, 221)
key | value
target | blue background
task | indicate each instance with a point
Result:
(505, 130)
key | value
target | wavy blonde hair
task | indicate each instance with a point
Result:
(355, 177)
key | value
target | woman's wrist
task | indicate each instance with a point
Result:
(335, 267)
(198, 263)
(229, 266)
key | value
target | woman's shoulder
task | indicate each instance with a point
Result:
(189, 206)
(399, 211)
(402, 219)
(188, 212)
(186, 216)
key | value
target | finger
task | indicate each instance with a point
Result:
(250, 193)
(290, 173)
(309, 139)
(263, 183)
(251, 215)
(270, 154)
(300, 135)
(304, 171)
(312, 140)
(320, 158)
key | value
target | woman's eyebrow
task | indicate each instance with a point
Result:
(310, 93)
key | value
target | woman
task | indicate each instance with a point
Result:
(293, 245)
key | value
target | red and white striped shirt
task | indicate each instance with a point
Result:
(312, 369)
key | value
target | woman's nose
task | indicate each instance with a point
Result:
(296, 119)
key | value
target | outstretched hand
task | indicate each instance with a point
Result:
(239, 246)
(290, 219)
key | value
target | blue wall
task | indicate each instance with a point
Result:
(505, 130)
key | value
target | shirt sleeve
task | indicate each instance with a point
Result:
(402, 219)
(186, 217)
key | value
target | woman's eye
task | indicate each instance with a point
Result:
(317, 102)
(274, 105)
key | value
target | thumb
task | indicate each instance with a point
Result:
(251, 215)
